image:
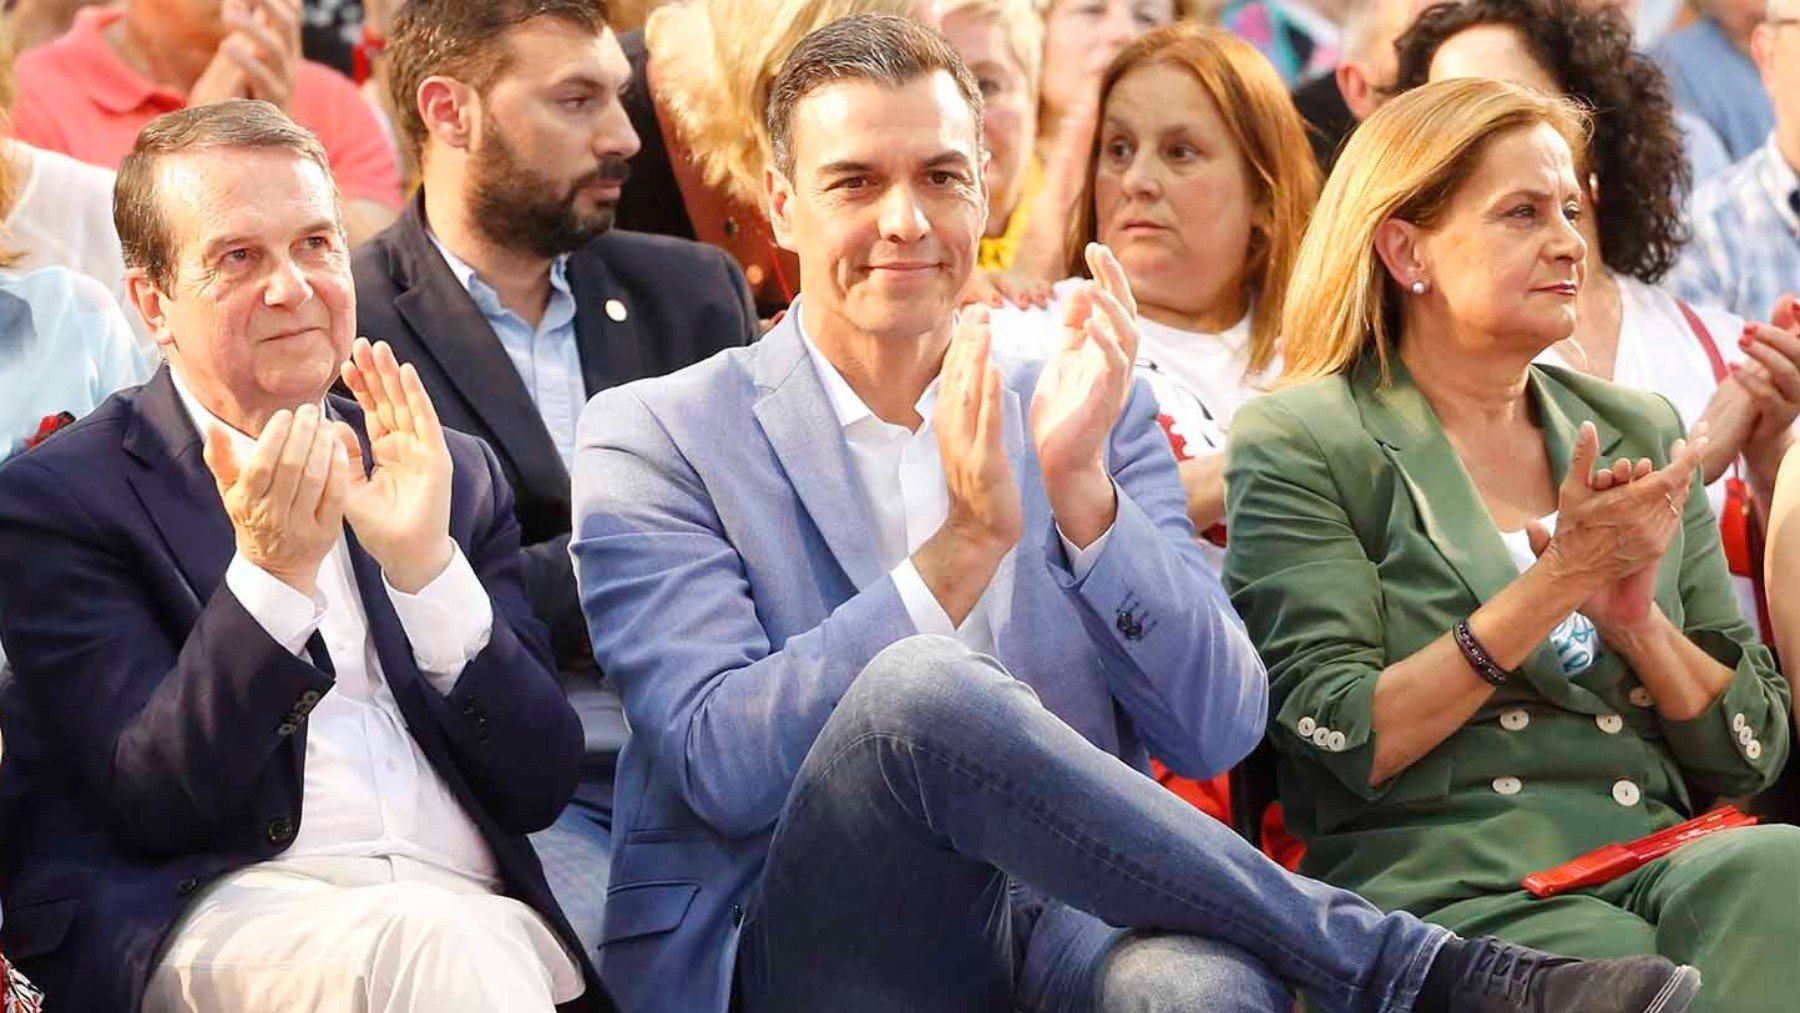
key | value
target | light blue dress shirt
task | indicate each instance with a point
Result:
(1745, 250)
(547, 359)
(64, 346)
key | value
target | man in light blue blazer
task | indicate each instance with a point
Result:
(821, 809)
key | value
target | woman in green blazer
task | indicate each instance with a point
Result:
(1488, 656)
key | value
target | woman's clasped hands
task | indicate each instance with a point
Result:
(1614, 525)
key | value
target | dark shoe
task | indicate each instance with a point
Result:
(1498, 977)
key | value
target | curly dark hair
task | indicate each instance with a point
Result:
(1636, 151)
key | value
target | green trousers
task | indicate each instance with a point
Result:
(1728, 904)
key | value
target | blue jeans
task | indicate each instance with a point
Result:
(952, 845)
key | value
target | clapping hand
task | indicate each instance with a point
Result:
(286, 503)
(259, 59)
(1080, 395)
(1614, 525)
(969, 421)
(399, 508)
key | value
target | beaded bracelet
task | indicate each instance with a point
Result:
(1477, 655)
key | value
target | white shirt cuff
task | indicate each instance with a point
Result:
(285, 614)
(448, 621)
(1081, 561)
(921, 605)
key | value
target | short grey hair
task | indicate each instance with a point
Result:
(893, 51)
(238, 123)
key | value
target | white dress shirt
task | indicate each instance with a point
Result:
(902, 478)
(368, 790)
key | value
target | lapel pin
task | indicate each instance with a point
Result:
(616, 310)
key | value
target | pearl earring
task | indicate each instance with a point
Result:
(1419, 287)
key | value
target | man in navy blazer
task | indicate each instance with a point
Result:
(821, 810)
(281, 715)
(505, 285)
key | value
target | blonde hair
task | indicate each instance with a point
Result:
(715, 61)
(1023, 25)
(1405, 162)
(1271, 142)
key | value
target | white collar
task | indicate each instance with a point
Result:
(845, 403)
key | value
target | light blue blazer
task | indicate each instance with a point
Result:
(731, 585)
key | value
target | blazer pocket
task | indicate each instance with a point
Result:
(32, 930)
(642, 909)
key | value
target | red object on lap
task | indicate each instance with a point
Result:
(1614, 860)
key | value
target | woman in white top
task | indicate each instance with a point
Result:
(1628, 330)
(1200, 181)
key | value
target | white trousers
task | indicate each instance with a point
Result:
(358, 935)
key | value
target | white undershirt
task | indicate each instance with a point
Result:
(902, 478)
(368, 789)
(1575, 639)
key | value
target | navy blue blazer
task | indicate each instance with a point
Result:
(155, 734)
(733, 588)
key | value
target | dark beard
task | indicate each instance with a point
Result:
(519, 209)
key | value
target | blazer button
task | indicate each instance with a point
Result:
(1514, 719)
(309, 697)
(1739, 723)
(187, 886)
(1626, 794)
(1508, 786)
(1336, 742)
(1753, 750)
(1640, 697)
(1305, 727)
(1611, 724)
(286, 728)
(281, 831)
(1130, 627)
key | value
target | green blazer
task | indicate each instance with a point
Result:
(1357, 538)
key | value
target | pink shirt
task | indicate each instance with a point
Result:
(77, 96)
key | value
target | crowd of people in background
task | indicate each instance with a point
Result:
(768, 505)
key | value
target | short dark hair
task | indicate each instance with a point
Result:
(239, 123)
(1636, 149)
(884, 48)
(465, 40)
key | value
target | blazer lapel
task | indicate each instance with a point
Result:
(610, 351)
(459, 339)
(176, 488)
(797, 419)
(1444, 497)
